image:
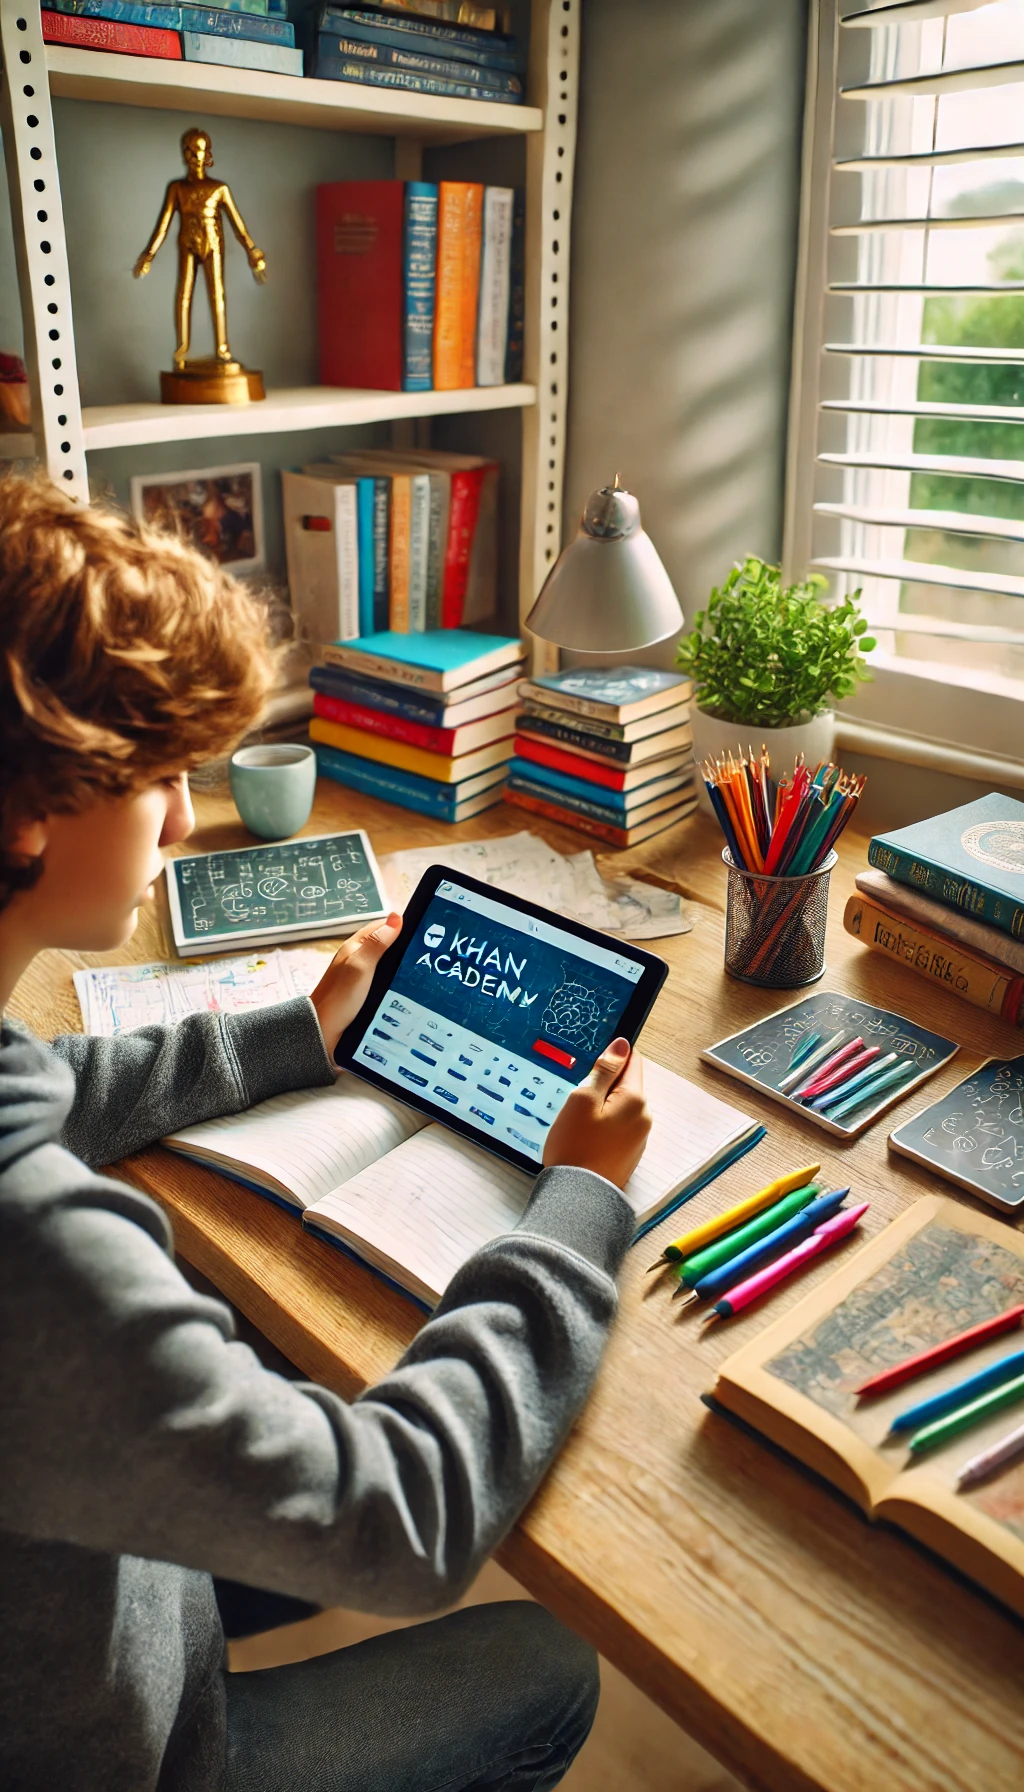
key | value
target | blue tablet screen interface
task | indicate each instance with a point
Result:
(493, 1016)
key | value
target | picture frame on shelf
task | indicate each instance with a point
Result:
(218, 509)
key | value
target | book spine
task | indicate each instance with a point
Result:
(359, 226)
(489, 80)
(348, 562)
(495, 270)
(393, 786)
(600, 830)
(109, 34)
(517, 292)
(381, 553)
(378, 721)
(570, 763)
(125, 12)
(364, 525)
(330, 66)
(469, 291)
(467, 486)
(534, 725)
(218, 22)
(975, 936)
(547, 721)
(419, 550)
(401, 525)
(949, 887)
(440, 488)
(419, 268)
(389, 700)
(396, 754)
(372, 665)
(463, 46)
(258, 8)
(943, 961)
(580, 805)
(453, 12)
(447, 298)
(239, 52)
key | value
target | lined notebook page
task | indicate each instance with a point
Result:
(418, 1214)
(689, 1128)
(303, 1144)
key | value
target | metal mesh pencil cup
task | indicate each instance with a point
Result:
(775, 926)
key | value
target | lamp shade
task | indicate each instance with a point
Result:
(608, 591)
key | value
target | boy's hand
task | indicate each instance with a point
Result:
(605, 1122)
(343, 988)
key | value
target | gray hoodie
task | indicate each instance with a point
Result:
(142, 1449)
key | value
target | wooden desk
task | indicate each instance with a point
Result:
(802, 1646)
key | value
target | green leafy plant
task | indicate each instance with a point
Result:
(761, 654)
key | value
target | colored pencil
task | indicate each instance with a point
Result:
(1007, 1394)
(923, 1360)
(708, 1230)
(964, 1391)
(820, 1053)
(701, 1263)
(900, 1073)
(842, 1077)
(737, 1269)
(810, 1085)
(822, 1103)
(783, 830)
(766, 1279)
(987, 1461)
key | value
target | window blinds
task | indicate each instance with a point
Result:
(907, 430)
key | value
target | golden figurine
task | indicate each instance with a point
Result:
(201, 203)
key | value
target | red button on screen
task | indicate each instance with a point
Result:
(555, 1052)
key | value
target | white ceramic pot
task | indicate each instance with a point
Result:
(712, 736)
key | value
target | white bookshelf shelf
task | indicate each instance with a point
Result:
(288, 408)
(282, 99)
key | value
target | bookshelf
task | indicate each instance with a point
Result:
(65, 432)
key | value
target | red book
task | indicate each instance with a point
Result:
(561, 759)
(359, 237)
(467, 488)
(110, 34)
(416, 734)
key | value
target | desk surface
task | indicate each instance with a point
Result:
(802, 1646)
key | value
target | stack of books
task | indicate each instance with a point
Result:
(236, 34)
(426, 721)
(606, 751)
(946, 898)
(420, 284)
(446, 47)
(381, 540)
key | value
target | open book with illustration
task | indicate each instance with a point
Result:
(414, 1200)
(936, 1271)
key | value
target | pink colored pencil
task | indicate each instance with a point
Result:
(826, 1069)
(766, 1279)
(850, 1068)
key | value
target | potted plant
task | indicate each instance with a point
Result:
(768, 663)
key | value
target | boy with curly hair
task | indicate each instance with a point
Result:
(145, 1450)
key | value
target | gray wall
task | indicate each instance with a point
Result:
(683, 257)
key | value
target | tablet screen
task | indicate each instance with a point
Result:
(493, 1016)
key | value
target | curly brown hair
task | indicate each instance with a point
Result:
(125, 656)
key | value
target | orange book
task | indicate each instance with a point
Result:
(401, 529)
(459, 234)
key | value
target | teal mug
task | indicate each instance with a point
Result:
(273, 788)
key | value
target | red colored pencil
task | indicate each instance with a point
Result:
(942, 1353)
(841, 1075)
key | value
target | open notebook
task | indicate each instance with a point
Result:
(412, 1199)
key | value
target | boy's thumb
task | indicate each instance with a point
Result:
(609, 1066)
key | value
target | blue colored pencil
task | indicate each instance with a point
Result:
(870, 1090)
(968, 1389)
(842, 1090)
(807, 1044)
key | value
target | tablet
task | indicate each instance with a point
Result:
(487, 1011)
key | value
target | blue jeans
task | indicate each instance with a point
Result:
(490, 1697)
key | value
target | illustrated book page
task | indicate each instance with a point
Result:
(936, 1271)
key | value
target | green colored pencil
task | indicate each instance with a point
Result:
(714, 1255)
(968, 1415)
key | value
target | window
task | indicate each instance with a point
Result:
(906, 457)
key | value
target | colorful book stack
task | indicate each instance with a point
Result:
(426, 721)
(946, 897)
(418, 50)
(420, 284)
(606, 751)
(382, 540)
(237, 34)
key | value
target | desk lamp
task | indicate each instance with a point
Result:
(608, 591)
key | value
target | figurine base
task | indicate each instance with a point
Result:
(211, 382)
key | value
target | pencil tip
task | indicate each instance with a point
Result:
(660, 1264)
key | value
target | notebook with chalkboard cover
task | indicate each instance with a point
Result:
(974, 1135)
(272, 891)
(412, 1199)
(938, 1269)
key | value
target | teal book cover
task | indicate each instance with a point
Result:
(971, 859)
(617, 686)
(436, 650)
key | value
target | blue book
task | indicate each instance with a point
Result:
(255, 8)
(971, 859)
(484, 48)
(563, 783)
(364, 538)
(438, 659)
(448, 802)
(217, 22)
(516, 292)
(333, 65)
(418, 64)
(125, 12)
(419, 264)
(240, 52)
(613, 693)
(392, 699)
(520, 779)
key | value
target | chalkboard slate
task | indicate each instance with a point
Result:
(263, 894)
(762, 1055)
(975, 1134)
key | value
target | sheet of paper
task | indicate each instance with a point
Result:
(118, 998)
(689, 1127)
(526, 866)
(308, 1141)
